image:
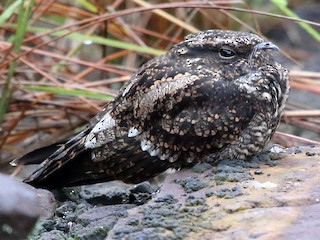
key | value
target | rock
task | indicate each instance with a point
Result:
(105, 194)
(98, 213)
(110, 193)
(191, 184)
(201, 167)
(66, 209)
(95, 223)
(141, 193)
(19, 208)
(53, 235)
(47, 203)
(80, 221)
(281, 203)
(232, 200)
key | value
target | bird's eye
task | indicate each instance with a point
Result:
(226, 53)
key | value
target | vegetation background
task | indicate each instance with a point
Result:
(62, 60)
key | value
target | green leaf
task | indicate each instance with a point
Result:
(23, 19)
(88, 5)
(9, 11)
(96, 39)
(282, 5)
(116, 43)
(70, 92)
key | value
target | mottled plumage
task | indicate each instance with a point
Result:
(216, 95)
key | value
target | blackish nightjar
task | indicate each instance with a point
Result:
(216, 95)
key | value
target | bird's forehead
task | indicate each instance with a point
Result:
(217, 38)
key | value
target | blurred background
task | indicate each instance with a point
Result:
(62, 60)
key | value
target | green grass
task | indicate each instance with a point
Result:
(17, 39)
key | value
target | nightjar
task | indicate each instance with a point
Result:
(216, 95)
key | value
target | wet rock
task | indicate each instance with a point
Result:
(52, 235)
(144, 187)
(209, 193)
(109, 193)
(141, 193)
(105, 194)
(162, 218)
(69, 193)
(94, 230)
(66, 209)
(81, 221)
(195, 201)
(191, 184)
(95, 223)
(231, 172)
(168, 198)
(201, 167)
(229, 193)
(61, 225)
(48, 225)
(277, 152)
(98, 213)
(131, 233)
(18, 208)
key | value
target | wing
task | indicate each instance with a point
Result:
(174, 114)
(200, 115)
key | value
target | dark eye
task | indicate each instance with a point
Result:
(226, 53)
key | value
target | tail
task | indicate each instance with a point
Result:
(70, 164)
(62, 164)
(37, 156)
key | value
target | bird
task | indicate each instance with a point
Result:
(216, 95)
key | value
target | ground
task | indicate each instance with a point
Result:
(260, 199)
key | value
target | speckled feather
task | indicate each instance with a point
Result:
(216, 95)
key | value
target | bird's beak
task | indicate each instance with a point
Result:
(266, 45)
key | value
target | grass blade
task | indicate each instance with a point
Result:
(23, 18)
(282, 5)
(70, 92)
(7, 13)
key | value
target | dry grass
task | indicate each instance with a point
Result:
(72, 59)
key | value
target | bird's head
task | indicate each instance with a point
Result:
(229, 54)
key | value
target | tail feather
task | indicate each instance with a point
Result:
(80, 171)
(57, 163)
(37, 156)
(70, 164)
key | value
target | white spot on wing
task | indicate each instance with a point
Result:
(163, 157)
(145, 145)
(102, 133)
(133, 132)
(90, 142)
(154, 152)
(105, 123)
